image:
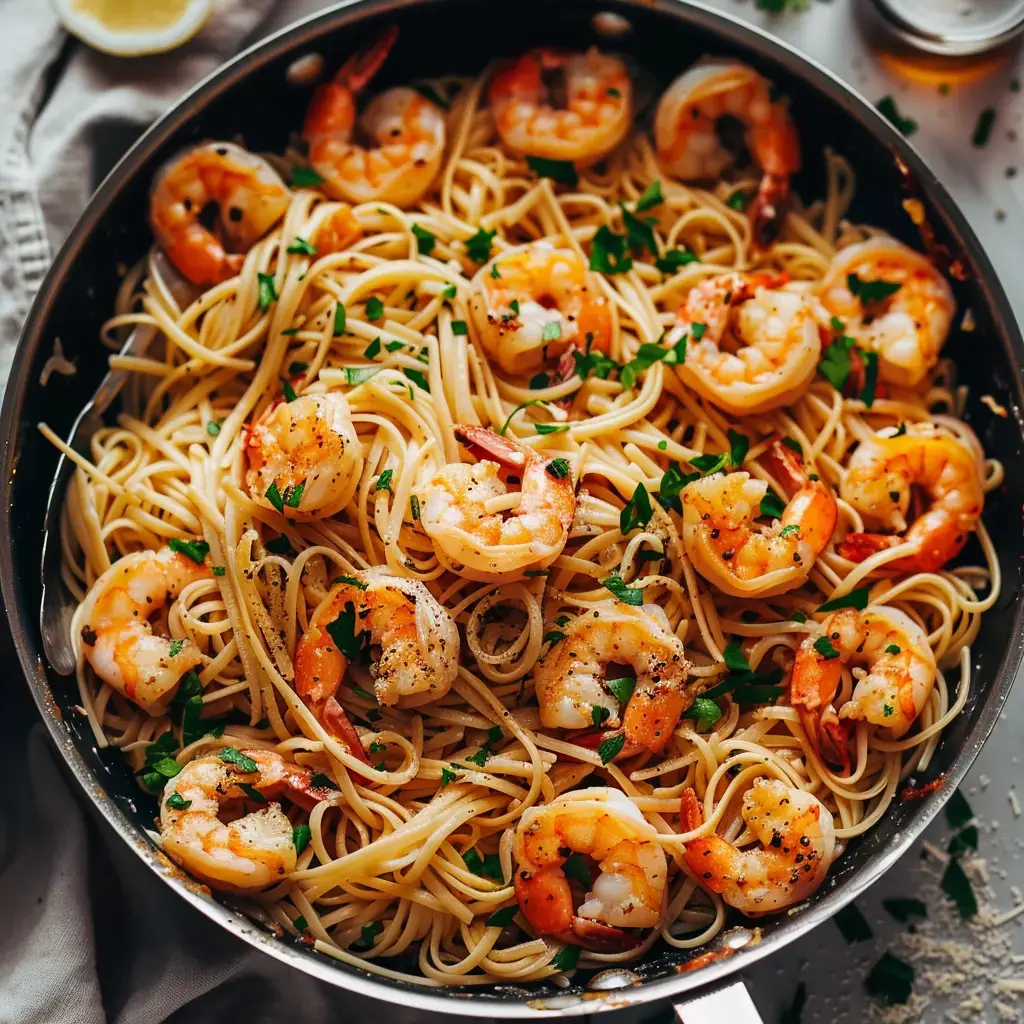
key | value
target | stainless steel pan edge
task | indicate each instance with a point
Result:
(475, 1002)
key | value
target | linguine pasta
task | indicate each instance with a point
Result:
(410, 855)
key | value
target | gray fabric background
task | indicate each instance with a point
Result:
(87, 934)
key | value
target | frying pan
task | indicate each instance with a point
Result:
(250, 97)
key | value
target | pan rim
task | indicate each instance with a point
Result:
(730, 30)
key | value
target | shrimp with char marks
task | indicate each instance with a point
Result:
(408, 132)
(688, 134)
(908, 323)
(570, 678)
(118, 638)
(245, 193)
(741, 558)
(457, 512)
(751, 346)
(538, 302)
(881, 478)
(306, 451)
(593, 120)
(609, 831)
(796, 837)
(251, 851)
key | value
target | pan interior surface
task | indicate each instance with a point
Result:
(251, 99)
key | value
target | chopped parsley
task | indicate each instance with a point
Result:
(824, 647)
(745, 685)
(551, 332)
(738, 200)
(551, 428)
(856, 599)
(252, 792)
(772, 505)
(356, 375)
(608, 252)
(539, 380)
(374, 308)
(300, 247)
(488, 866)
(958, 811)
(888, 109)
(672, 260)
(297, 367)
(672, 483)
(368, 935)
(267, 291)
(890, 980)
(835, 363)
(384, 481)
(575, 868)
(957, 886)
(739, 445)
(870, 361)
(639, 232)
(966, 839)
(373, 349)
(343, 632)
(599, 715)
(232, 755)
(418, 379)
(623, 592)
(650, 197)
(425, 240)
(705, 712)
(478, 248)
(596, 363)
(788, 531)
(339, 320)
(893, 649)
(637, 511)
(853, 924)
(213, 428)
(903, 910)
(218, 570)
(305, 177)
(562, 171)
(871, 291)
(449, 292)
(174, 647)
(448, 775)
(567, 958)
(197, 550)
(983, 128)
(621, 688)
(460, 327)
(414, 507)
(647, 355)
(279, 545)
(273, 495)
(611, 747)
(350, 581)
(287, 390)
(553, 636)
(177, 802)
(558, 468)
(503, 917)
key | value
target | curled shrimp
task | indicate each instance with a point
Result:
(878, 482)
(247, 853)
(304, 455)
(465, 515)
(418, 641)
(796, 837)
(118, 638)
(570, 678)
(894, 668)
(908, 326)
(751, 347)
(537, 302)
(246, 193)
(585, 128)
(407, 129)
(607, 830)
(704, 99)
(746, 560)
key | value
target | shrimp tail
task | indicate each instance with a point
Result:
(357, 72)
(768, 209)
(690, 814)
(486, 444)
(598, 937)
(339, 725)
(859, 546)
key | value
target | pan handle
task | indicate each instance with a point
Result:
(727, 1004)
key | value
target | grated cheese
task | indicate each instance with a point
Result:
(1014, 803)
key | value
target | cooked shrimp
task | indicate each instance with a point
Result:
(570, 678)
(605, 826)
(751, 347)
(119, 642)
(591, 122)
(457, 515)
(418, 641)
(743, 559)
(892, 647)
(306, 454)
(704, 99)
(338, 231)
(407, 129)
(879, 480)
(246, 193)
(537, 302)
(909, 326)
(252, 851)
(796, 833)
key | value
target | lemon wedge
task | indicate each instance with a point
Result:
(130, 28)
